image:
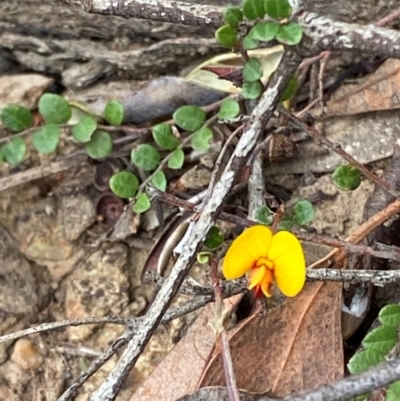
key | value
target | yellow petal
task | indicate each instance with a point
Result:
(256, 276)
(287, 255)
(245, 250)
(266, 284)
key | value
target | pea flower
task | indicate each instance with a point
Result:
(267, 258)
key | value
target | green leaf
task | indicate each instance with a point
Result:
(176, 159)
(226, 36)
(390, 315)
(14, 151)
(303, 212)
(84, 129)
(229, 109)
(264, 31)
(1, 157)
(347, 178)
(124, 184)
(114, 112)
(204, 257)
(159, 180)
(278, 8)
(362, 361)
(164, 137)
(252, 70)
(100, 145)
(264, 215)
(190, 118)
(214, 238)
(16, 117)
(201, 140)
(290, 34)
(142, 204)
(393, 392)
(251, 90)
(249, 43)
(286, 223)
(291, 89)
(253, 9)
(233, 16)
(54, 109)
(381, 339)
(145, 157)
(46, 138)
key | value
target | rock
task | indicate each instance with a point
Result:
(26, 355)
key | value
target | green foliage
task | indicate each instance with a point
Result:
(159, 180)
(204, 257)
(278, 8)
(46, 138)
(347, 178)
(189, 118)
(145, 157)
(226, 36)
(142, 204)
(17, 118)
(253, 9)
(114, 112)
(1, 157)
(264, 215)
(214, 238)
(176, 159)
(362, 361)
(124, 184)
(252, 70)
(233, 16)
(286, 223)
(83, 131)
(264, 31)
(251, 90)
(14, 151)
(249, 43)
(303, 212)
(381, 339)
(291, 89)
(393, 392)
(229, 109)
(390, 315)
(201, 139)
(164, 137)
(54, 109)
(290, 34)
(100, 145)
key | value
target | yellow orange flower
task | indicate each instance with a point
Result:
(267, 258)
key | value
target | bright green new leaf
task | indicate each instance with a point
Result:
(176, 159)
(214, 238)
(264, 31)
(14, 151)
(46, 138)
(16, 117)
(390, 315)
(381, 339)
(190, 118)
(83, 131)
(264, 215)
(114, 112)
(249, 43)
(201, 140)
(393, 392)
(164, 137)
(204, 257)
(290, 34)
(278, 8)
(347, 178)
(290, 90)
(253, 9)
(54, 109)
(124, 184)
(159, 180)
(145, 157)
(362, 361)
(252, 70)
(100, 145)
(142, 204)
(233, 16)
(251, 90)
(226, 36)
(229, 109)
(303, 212)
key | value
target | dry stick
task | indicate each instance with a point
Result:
(263, 111)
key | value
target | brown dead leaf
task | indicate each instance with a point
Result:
(378, 91)
(295, 346)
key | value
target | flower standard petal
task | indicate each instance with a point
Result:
(245, 250)
(287, 255)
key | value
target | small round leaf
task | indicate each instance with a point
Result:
(142, 204)
(251, 90)
(201, 140)
(249, 43)
(114, 112)
(233, 16)
(303, 212)
(229, 109)
(100, 145)
(54, 109)
(390, 315)
(159, 180)
(286, 223)
(145, 157)
(264, 215)
(347, 178)
(83, 131)
(204, 257)
(290, 90)
(176, 159)
(46, 138)
(214, 238)
(226, 36)
(264, 31)
(253, 9)
(278, 8)
(124, 184)
(16, 117)
(14, 151)
(381, 339)
(252, 70)
(164, 137)
(393, 392)
(290, 34)
(190, 118)
(362, 361)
